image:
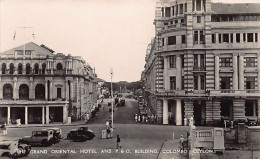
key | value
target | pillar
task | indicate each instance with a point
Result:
(216, 112)
(235, 73)
(51, 91)
(209, 112)
(178, 76)
(8, 114)
(43, 117)
(178, 112)
(239, 109)
(165, 112)
(65, 114)
(258, 108)
(241, 72)
(66, 90)
(31, 92)
(216, 72)
(258, 70)
(188, 109)
(46, 90)
(26, 115)
(71, 90)
(47, 115)
(15, 89)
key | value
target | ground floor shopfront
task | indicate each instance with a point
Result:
(32, 113)
(205, 111)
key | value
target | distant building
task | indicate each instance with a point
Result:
(39, 86)
(204, 62)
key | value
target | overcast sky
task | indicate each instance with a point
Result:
(106, 33)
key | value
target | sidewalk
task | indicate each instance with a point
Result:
(82, 122)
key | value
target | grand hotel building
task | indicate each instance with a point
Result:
(204, 62)
(39, 86)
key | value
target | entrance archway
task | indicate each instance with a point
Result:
(24, 91)
(40, 92)
(7, 91)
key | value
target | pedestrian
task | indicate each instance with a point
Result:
(152, 118)
(118, 142)
(4, 129)
(139, 118)
(181, 142)
(136, 118)
(107, 124)
(146, 120)
(143, 119)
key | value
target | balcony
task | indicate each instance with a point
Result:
(229, 92)
(171, 93)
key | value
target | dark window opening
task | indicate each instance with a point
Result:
(219, 38)
(40, 92)
(250, 82)
(195, 60)
(195, 37)
(36, 68)
(183, 39)
(250, 37)
(231, 37)
(250, 62)
(238, 37)
(172, 83)
(3, 68)
(162, 41)
(162, 12)
(226, 38)
(225, 108)
(201, 38)
(225, 62)
(20, 69)
(11, 69)
(167, 12)
(171, 40)
(202, 60)
(198, 5)
(249, 108)
(7, 91)
(43, 68)
(244, 37)
(256, 37)
(195, 82)
(28, 69)
(225, 82)
(198, 19)
(181, 8)
(172, 61)
(58, 92)
(23, 92)
(213, 36)
(173, 10)
(185, 7)
(59, 66)
(202, 82)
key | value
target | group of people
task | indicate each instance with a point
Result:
(109, 132)
(148, 119)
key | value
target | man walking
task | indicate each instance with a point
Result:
(118, 142)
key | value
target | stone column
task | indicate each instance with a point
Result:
(46, 90)
(165, 112)
(43, 115)
(216, 72)
(15, 89)
(209, 112)
(216, 112)
(258, 108)
(178, 76)
(47, 114)
(239, 109)
(51, 91)
(66, 90)
(65, 114)
(258, 70)
(8, 114)
(31, 92)
(235, 73)
(1, 89)
(71, 90)
(178, 112)
(241, 72)
(26, 115)
(188, 109)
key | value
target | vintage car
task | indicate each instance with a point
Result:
(122, 102)
(9, 149)
(42, 137)
(57, 134)
(81, 134)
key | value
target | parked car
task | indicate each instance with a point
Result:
(23, 148)
(81, 134)
(57, 134)
(42, 137)
(9, 149)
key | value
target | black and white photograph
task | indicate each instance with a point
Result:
(130, 79)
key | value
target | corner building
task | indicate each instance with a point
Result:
(204, 62)
(39, 86)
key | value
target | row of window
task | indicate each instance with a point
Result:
(228, 37)
(199, 82)
(232, 18)
(27, 68)
(171, 40)
(227, 62)
(225, 83)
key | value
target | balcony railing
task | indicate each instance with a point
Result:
(171, 93)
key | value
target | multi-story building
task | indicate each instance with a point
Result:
(40, 86)
(204, 62)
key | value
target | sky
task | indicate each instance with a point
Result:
(105, 33)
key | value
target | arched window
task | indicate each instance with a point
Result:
(11, 69)
(20, 68)
(59, 66)
(36, 68)
(28, 68)
(24, 91)
(3, 68)
(40, 91)
(7, 91)
(43, 68)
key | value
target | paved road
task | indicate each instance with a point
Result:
(136, 139)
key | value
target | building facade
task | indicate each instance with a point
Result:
(204, 62)
(39, 86)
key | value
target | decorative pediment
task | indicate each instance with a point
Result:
(58, 85)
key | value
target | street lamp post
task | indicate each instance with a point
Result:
(111, 74)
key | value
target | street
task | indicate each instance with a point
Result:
(137, 140)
